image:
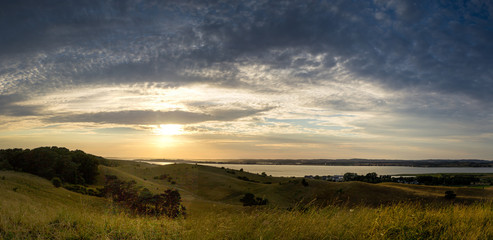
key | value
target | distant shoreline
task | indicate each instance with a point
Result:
(340, 162)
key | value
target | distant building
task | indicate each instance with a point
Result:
(334, 178)
(337, 178)
(405, 179)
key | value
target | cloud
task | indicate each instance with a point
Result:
(149, 117)
(118, 130)
(433, 46)
(9, 106)
(418, 69)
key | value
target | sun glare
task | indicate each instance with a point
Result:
(169, 129)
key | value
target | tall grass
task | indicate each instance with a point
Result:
(31, 208)
(399, 221)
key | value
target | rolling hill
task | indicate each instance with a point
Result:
(201, 184)
(32, 208)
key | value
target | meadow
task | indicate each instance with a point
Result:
(32, 208)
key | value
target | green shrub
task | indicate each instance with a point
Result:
(450, 195)
(249, 199)
(304, 182)
(76, 188)
(57, 182)
(142, 201)
(5, 165)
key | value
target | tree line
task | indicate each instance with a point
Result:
(78, 168)
(445, 180)
(369, 177)
(75, 167)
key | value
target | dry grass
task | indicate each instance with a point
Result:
(37, 210)
(400, 221)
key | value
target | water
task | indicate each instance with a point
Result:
(159, 163)
(302, 170)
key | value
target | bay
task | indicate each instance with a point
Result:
(303, 170)
(321, 170)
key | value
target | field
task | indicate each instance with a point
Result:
(32, 208)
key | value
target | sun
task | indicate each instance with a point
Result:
(169, 129)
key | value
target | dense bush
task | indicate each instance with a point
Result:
(450, 195)
(57, 182)
(304, 183)
(446, 180)
(98, 192)
(165, 177)
(4, 164)
(250, 200)
(74, 167)
(369, 177)
(162, 177)
(246, 179)
(141, 200)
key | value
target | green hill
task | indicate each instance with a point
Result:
(22, 188)
(205, 184)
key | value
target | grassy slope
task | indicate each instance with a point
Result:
(38, 210)
(204, 185)
(28, 202)
(465, 193)
(23, 187)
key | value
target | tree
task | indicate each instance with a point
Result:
(371, 177)
(248, 199)
(88, 166)
(350, 176)
(56, 182)
(5, 165)
(169, 203)
(304, 182)
(450, 194)
(74, 167)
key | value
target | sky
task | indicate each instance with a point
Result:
(249, 79)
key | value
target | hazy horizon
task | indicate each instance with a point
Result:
(281, 159)
(246, 80)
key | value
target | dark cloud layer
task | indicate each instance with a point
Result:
(149, 117)
(432, 46)
(437, 46)
(9, 106)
